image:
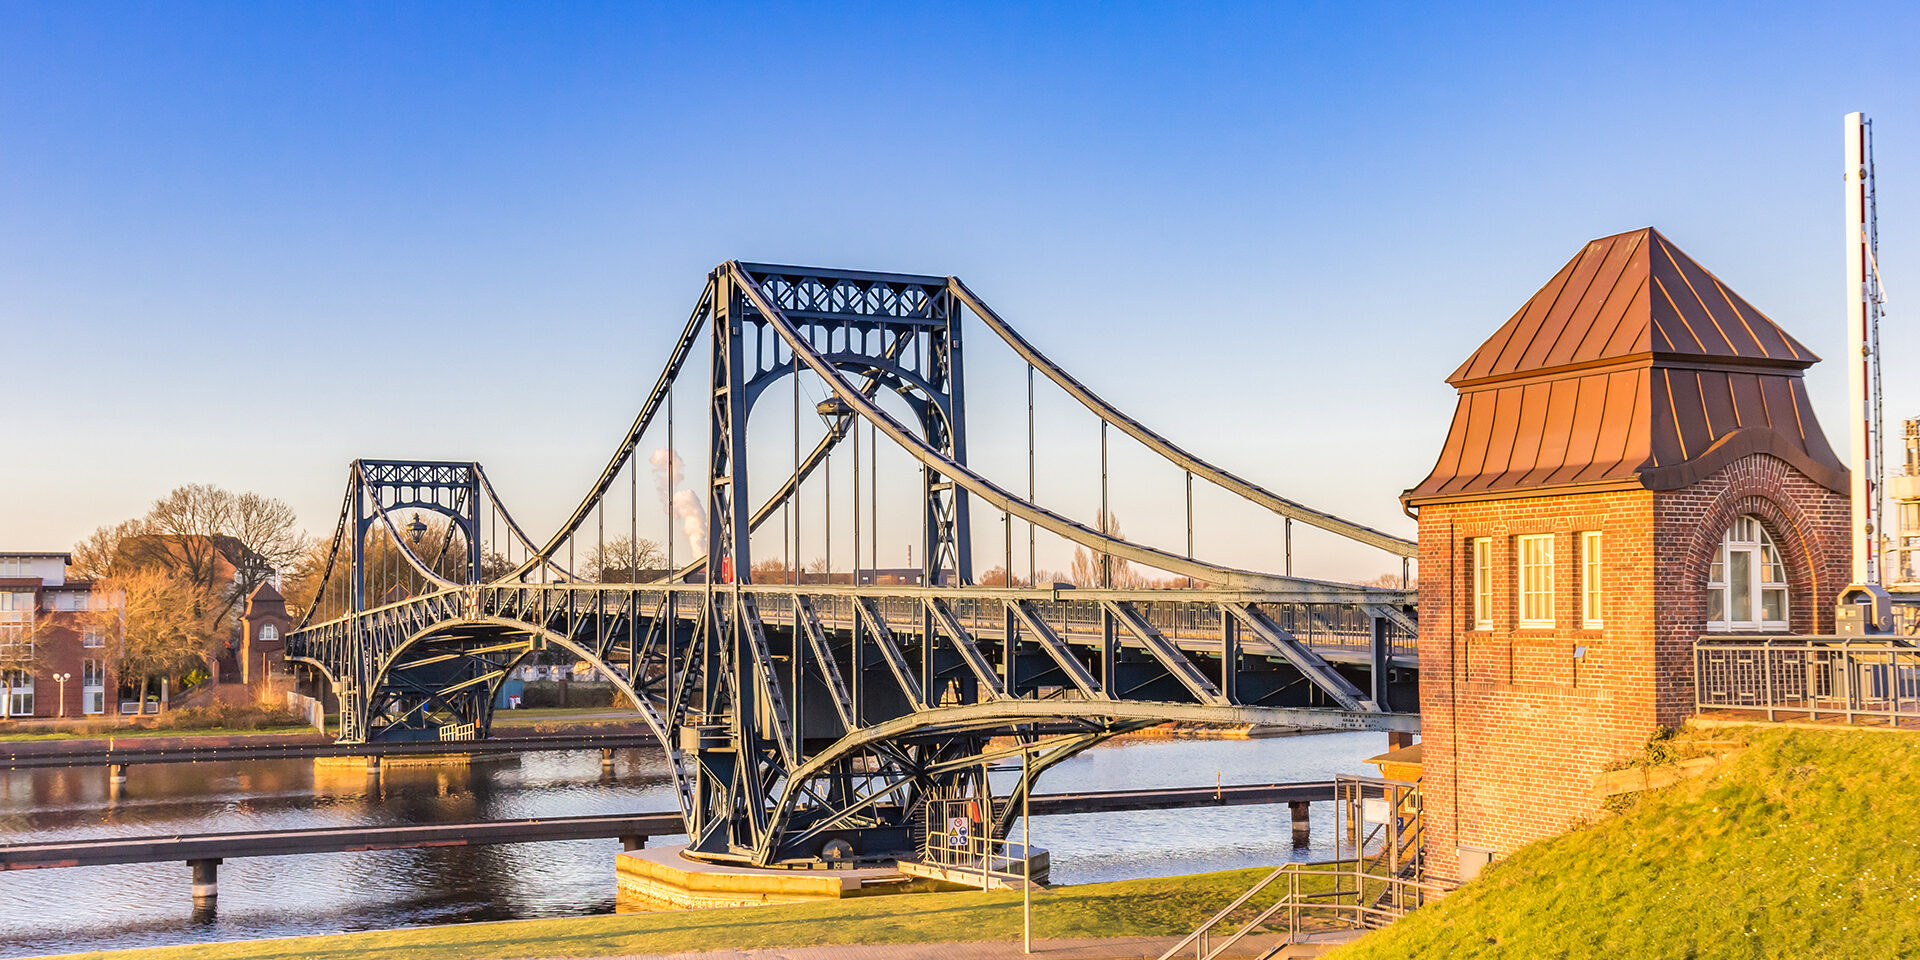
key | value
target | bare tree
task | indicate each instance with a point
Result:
(161, 631)
(1120, 574)
(623, 560)
(1391, 581)
(102, 554)
(997, 577)
(267, 531)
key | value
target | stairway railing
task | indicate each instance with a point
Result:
(1362, 891)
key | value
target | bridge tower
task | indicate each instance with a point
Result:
(899, 329)
(1633, 461)
(386, 498)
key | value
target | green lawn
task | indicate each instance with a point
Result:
(1171, 905)
(1806, 845)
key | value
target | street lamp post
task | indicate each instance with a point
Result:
(62, 678)
(1026, 850)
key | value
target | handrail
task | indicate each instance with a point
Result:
(1217, 918)
(1874, 679)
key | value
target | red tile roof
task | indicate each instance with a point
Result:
(1633, 366)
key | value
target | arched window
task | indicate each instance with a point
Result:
(1747, 583)
(269, 633)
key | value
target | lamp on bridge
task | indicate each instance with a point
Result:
(416, 530)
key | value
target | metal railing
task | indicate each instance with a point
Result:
(1337, 893)
(1360, 891)
(970, 849)
(1854, 680)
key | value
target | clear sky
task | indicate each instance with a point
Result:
(242, 244)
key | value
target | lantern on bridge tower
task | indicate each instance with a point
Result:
(1633, 462)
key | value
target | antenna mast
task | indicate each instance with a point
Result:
(1864, 308)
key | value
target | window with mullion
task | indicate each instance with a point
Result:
(1536, 580)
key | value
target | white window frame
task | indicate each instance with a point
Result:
(1747, 543)
(1592, 580)
(1533, 587)
(1480, 566)
(93, 686)
(92, 638)
(18, 686)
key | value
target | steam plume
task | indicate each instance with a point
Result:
(685, 506)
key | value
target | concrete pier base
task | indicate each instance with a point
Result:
(1302, 822)
(662, 878)
(422, 761)
(206, 880)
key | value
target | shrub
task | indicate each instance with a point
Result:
(547, 693)
(226, 716)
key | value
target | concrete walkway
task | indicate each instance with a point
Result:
(1117, 948)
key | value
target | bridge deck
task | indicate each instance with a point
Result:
(270, 843)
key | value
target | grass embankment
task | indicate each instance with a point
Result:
(217, 719)
(1157, 907)
(1806, 845)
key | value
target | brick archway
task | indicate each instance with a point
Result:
(1756, 486)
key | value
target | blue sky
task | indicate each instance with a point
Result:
(243, 244)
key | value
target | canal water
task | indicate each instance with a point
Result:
(94, 908)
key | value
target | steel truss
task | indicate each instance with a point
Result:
(810, 721)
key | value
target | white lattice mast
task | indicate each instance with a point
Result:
(1863, 339)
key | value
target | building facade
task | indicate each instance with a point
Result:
(260, 652)
(1633, 461)
(56, 641)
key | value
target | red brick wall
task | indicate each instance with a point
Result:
(1514, 726)
(58, 649)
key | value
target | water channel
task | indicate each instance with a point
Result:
(94, 908)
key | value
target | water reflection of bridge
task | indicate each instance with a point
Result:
(811, 719)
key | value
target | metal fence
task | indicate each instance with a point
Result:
(1872, 681)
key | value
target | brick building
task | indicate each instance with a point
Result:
(1633, 461)
(53, 628)
(260, 652)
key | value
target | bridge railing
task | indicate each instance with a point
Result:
(1848, 680)
(1191, 617)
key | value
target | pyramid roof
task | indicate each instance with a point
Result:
(1633, 367)
(1631, 294)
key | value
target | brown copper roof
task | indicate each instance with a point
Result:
(1633, 366)
(1625, 295)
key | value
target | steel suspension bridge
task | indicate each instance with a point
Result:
(817, 716)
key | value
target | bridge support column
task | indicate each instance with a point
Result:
(373, 765)
(635, 842)
(116, 780)
(606, 759)
(1302, 826)
(206, 880)
(1399, 738)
